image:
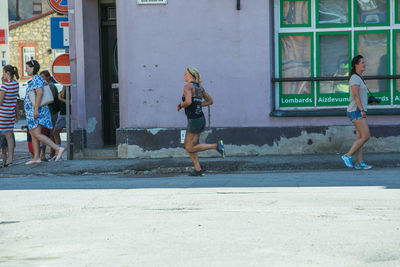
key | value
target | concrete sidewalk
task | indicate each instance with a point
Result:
(184, 165)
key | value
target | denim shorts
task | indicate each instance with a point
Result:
(61, 121)
(354, 115)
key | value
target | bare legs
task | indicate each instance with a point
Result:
(55, 134)
(363, 136)
(38, 137)
(192, 147)
(11, 145)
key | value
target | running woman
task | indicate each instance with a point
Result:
(194, 98)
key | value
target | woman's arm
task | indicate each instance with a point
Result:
(61, 95)
(207, 99)
(187, 92)
(39, 95)
(356, 95)
(16, 112)
(2, 94)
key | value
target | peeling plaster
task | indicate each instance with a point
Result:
(333, 140)
(154, 131)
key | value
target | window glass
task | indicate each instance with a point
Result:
(296, 62)
(397, 11)
(333, 62)
(374, 48)
(397, 51)
(295, 13)
(372, 12)
(28, 53)
(333, 12)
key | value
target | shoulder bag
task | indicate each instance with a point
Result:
(47, 97)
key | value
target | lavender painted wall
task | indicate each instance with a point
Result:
(85, 69)
(229, 47)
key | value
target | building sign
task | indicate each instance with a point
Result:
(59, 6)
(59, 29)
(61, 70)
(3, 36)
(151, 2)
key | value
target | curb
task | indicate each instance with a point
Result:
(184, 165)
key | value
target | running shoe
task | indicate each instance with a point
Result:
(221, 148)
(348, 161)
(362, 166)
(197, 173)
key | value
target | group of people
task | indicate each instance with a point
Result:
(40, 119)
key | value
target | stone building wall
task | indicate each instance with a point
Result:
(34, 33)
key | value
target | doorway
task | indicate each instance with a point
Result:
(109, 71)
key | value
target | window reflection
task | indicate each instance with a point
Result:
(373, 46)
(371, 11)
(398, 60)
(334, 62)
(296, 62)
(333, 12)
(295, 12)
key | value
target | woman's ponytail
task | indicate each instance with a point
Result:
(16, 73)
(354, 62)
(12, 70)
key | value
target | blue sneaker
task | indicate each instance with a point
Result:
(221, 148)
(348, 161)
(197, 173)
(362, 166)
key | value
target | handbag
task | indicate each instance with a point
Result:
(47, 97)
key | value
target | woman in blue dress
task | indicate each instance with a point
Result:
(38, 117)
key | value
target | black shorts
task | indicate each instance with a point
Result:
(196, 125)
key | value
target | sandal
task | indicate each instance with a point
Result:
(8, 165)
(33, 162)
(59, 154)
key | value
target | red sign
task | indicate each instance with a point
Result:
(2, 36)
(59, 6)
(61, 69)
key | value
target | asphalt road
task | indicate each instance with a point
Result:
(316, 218)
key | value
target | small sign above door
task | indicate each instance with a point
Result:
(151, 2)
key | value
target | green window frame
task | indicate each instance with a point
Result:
(297, 100)
(355, 16)
(308, 24)
(396, 55)
(344, 25)
(385, 96)
(331, 99)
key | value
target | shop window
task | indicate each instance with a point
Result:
(333, 13)
(28, 53)
(295, 13)
(396, 52)
(333, 57)
(296, 60)
(374, 46)
(371, 12)
(313, 61)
